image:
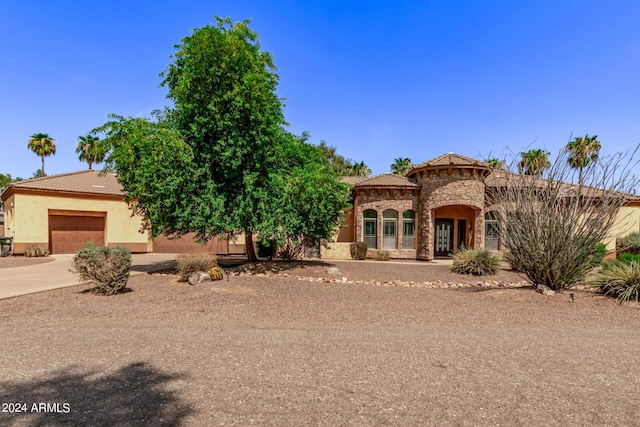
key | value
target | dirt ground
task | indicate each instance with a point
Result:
(270, 350)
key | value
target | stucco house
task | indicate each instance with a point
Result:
(439, 206)
(63, 212)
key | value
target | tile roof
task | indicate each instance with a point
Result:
(353, 180)
(452, 159)
(388, 180)
(86, 181)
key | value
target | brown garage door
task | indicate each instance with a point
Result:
(70, 233)
(187, 243)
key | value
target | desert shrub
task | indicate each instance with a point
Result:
(630, 243)
(216, 273)
(478, 262)
(620, 279)
(382, 256)
(627, 257)
(106, 268)
(189, 263)
(508, 257)
(358, 250)
(35, 251)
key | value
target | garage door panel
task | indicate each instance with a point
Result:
(70, 233)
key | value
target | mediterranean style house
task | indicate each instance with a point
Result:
(439, 206)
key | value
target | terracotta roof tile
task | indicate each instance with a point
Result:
(353, 180)
(452, 159)
(388, 180)
(87, 181)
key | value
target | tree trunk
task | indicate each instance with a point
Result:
(248, 241)
(42, 165)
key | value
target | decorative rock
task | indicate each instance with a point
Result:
(333, 271)
(545, 290)
(199, 277)
(344, 280)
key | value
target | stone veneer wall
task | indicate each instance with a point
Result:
(444, 188)
(380, 200)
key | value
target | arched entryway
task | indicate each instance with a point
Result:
(453, 229)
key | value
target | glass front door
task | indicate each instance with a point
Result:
(443, 245)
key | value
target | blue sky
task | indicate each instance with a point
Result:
(376, 79)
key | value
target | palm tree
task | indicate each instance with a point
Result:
(359, 169)
(582, 151)
(534, 162)
(495, 163)
(90, 150)
(401, 166)
(43, 145)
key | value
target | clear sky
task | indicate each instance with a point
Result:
(376, 79)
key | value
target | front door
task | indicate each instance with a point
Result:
(443, 244)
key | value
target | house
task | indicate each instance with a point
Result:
(439, 206)
(64, 212)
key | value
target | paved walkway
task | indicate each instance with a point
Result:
(53, 275)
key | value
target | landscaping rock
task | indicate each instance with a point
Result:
(545, 290)
(199, 277)
(333, 271)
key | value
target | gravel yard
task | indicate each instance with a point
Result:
(258, 350)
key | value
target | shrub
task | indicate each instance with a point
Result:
(267, 248)
(382, 256)
(475, 261)
(189, 263)
(620, 279)
(106, 268)
(630, 243)
(627, 257)
(35, 251)
(358, 250)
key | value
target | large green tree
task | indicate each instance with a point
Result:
(339, 163)
(219, 161)
(43, 145)
(90, 150)
(582, 152)
(534, 161)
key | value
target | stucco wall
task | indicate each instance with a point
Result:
(627, 222)
(30, 223)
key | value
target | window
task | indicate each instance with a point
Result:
(408, 230)
(491, 230)
(370, 228)
(389, 229)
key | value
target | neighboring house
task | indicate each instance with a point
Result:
(62, 213)
(438, 207)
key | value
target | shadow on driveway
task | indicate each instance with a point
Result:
(136, 395)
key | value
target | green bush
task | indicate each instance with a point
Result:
(630, 243)
(35, 251)
(106, 268)
(358, 250)
(382, 256)
(267, 248)
(627, 257)
(189, 263)
(620, 279)
(478, 262)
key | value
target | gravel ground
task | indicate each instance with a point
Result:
(21, 261)
(258, 350)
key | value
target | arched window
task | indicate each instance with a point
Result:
(370, 228)
(408, 230)
(389, 229)
(491, 230)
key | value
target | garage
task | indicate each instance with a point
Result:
(70, 232)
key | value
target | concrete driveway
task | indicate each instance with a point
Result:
(52, 275)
